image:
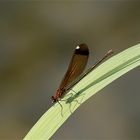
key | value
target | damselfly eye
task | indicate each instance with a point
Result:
(53, 99)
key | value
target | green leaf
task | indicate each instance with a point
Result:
(96, 80)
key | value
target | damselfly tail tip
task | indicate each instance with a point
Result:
(110, 52)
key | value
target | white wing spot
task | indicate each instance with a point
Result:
(77, 47)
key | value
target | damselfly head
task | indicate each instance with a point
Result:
(54, 100)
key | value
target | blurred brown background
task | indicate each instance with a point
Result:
(37, 40)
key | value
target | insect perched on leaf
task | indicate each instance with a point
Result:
(75, 69)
